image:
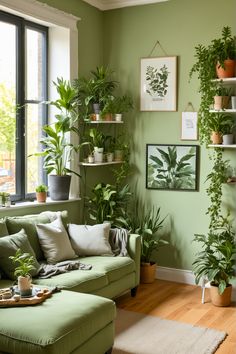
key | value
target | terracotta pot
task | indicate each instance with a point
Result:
(41, 197)
(216, 138)
(223, 299)
(147, 272)
(221, 102)
(228, 71)
(108, 117)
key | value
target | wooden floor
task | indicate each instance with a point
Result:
(182, 303)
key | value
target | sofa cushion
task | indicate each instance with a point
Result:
(61, 324)
(55, 242)
(3, 228)
(8, 247)
(77, 280)
(90, 240)
(28, 223)
(115, 268)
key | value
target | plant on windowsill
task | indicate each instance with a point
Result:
(5, 200)
(25, 264)
(41, 193)
(57, 150)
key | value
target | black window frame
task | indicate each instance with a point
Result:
(21, 101)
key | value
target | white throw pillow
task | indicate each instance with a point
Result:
(90, 240)
(55, 242)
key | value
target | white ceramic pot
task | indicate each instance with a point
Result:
(233, 102)
(98, 154)
(228, 139)
(90, 159)
(24, 286)
(118, 117)
(110, 156)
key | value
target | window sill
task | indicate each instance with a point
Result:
(35, 204)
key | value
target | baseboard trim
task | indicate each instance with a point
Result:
(181, 276)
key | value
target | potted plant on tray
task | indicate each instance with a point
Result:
(25, 264)
(41, 193)
(216, 261)
(57, 150)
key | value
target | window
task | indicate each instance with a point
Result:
(23, 88)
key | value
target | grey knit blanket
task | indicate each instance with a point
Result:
(118, 239)
(49, 270)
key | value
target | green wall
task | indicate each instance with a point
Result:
(90, 31)
(179, 25)
(120, 38)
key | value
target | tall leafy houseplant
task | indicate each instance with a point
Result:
(147, 222)
(57, 150)
(216, 260)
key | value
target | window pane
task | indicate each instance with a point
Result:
(34, 173)
(7, 107)
(34, 65)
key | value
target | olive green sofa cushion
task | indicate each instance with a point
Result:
(68, 322)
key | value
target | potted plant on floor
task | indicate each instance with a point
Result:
(57, 150)
(216, 261)
(41, 193)
(147, 222)
(25, 264)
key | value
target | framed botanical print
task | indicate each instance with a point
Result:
(158, 84)
(172, 167)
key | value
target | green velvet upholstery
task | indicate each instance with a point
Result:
(66, 322)
(3, 227)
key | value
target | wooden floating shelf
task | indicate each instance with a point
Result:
(105, 122)
(96, 164)
(231, 146)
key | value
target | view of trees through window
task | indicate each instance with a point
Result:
(23, 88)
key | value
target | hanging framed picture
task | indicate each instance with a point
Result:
(189, 129)
(158, 84)
(172, 167)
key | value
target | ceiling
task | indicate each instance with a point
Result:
(115, 4)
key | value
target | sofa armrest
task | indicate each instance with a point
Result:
(134, 249)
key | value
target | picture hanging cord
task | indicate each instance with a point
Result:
(157, 43)
(189, 105)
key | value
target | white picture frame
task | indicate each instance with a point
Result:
(158, 81)
(189, 128)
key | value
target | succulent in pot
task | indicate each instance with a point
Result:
(41, 193)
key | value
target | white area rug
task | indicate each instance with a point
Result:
(138, 333)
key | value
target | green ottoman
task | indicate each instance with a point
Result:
(67, 322)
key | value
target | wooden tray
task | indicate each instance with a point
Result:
(37, 298)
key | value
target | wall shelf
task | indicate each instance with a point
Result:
(96, 164)
(232, 146)
(230, 80)
(104, 122)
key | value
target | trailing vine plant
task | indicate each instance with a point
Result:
(217, 177)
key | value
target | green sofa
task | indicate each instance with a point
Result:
(108, 278)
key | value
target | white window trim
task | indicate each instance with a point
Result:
(49, 16)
